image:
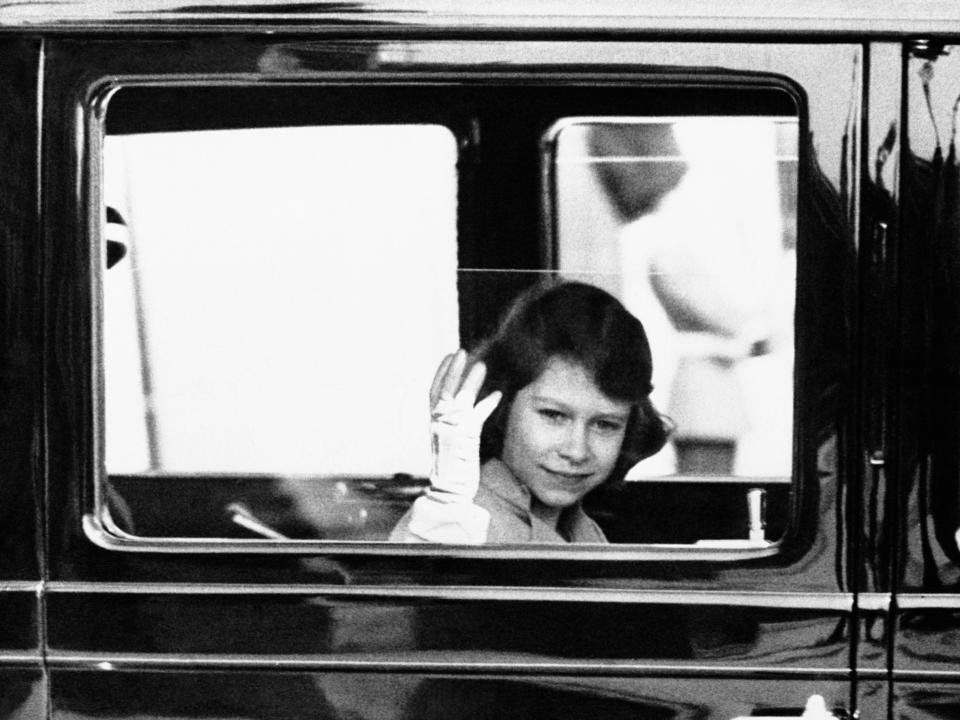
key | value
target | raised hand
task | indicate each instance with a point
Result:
(456, 420)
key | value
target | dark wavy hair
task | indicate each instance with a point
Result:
(585, 325)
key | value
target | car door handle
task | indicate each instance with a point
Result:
(816, 709)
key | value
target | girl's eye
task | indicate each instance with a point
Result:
(551, 415)
(609, 426)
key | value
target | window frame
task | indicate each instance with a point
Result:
(103, 532)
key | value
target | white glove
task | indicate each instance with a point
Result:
(456, 420)
(446, 513)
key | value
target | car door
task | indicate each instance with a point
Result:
(159, 602)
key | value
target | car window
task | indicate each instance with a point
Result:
(692, 223)
(259, 305)
(276, 300)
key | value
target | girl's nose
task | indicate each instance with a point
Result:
(575, 446)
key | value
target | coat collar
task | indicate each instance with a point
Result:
(577, 527)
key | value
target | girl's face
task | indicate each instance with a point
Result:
(563, 435)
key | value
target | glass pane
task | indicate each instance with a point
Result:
(276, 282)
(271, 333)
(691, 222)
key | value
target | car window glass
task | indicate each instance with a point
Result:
(277, 281)
(692, 223)
(286, 292)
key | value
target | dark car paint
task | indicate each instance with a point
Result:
(86, 632)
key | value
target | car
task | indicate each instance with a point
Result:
(237, 237)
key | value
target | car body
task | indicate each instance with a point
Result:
(159, 591)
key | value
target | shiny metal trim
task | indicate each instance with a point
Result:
(92, 121)
(461, 663)
(103, 532)
(925, 676)
(928, 601)
(898, 18)
(839, 602)
(20, 586)
(19, 658)
(877, 602)
(112, 538)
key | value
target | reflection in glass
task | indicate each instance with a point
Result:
(692, 223)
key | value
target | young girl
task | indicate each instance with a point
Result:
(564, 407)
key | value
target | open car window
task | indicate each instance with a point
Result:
(285, 293)
(246, 330)
(283, 298)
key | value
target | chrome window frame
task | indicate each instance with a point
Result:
(103, 532)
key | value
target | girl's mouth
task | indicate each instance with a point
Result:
(568, 476)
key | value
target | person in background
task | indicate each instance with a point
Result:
(564, 407)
